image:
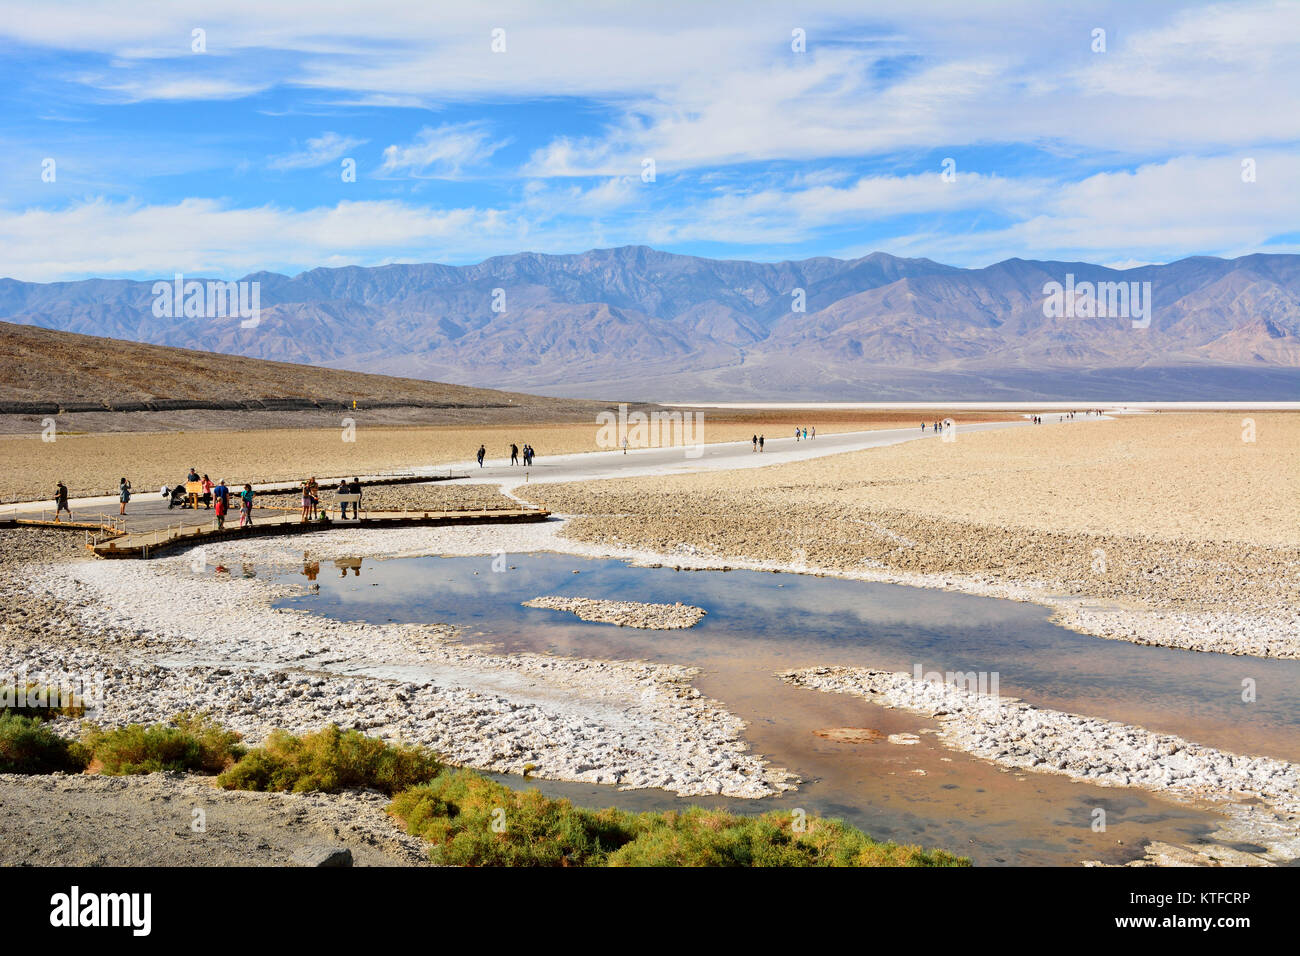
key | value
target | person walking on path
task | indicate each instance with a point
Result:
(246, 507)
(761, 439)
(755, 440)
(220, 502)
(514, 454)
(796, 434)
(123, 495)
(625, 444)
(61, 501)
(814, 431)
(482, 451)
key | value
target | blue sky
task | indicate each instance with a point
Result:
(228, 160)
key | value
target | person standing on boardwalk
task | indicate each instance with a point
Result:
(514, 454)
(482, 451)
(343, 489)
(309, 499)
(220, 502)
(355, 488)
(207, 491)
(123, 495)
(246, 507)
(61, 501)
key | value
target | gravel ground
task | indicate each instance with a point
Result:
(150, 820)
(657, 617)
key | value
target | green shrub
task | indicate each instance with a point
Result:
(456, 811)
(330, 759)
(188, 743)
(40, 702)
(700, 837)
(27, 745)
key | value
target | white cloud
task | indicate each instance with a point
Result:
(320, 150)
(441, 153)
(1161, 211)
(206, 236)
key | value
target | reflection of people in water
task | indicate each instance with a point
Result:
(311, 569)
(249, 570)
(343, 564)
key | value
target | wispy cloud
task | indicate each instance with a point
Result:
(319, 150)
(442, 152)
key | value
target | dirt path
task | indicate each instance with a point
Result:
(151, 820)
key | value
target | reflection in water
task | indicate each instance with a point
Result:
(346, 564)
(761, 623)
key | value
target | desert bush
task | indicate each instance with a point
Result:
(330, 759)
(457, 810)
(28, 745)
(188, 743)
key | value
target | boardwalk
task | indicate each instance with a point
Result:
(151, 543)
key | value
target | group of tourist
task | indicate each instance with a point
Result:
(528, 454)
(758, 441)
(221, 494)
(937, 426)
(802, 433)
(514, 454)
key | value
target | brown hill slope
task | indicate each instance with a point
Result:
(43, 371)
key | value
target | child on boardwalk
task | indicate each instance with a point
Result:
(246, 507)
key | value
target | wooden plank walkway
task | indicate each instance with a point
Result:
(148, 544)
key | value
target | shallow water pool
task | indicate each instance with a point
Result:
(759, 623)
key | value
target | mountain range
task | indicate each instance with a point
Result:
(638, 323)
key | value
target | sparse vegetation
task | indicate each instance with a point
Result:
(473, 821)
(467, 819)
(188, 743)
(330, 759)
(28, 745)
